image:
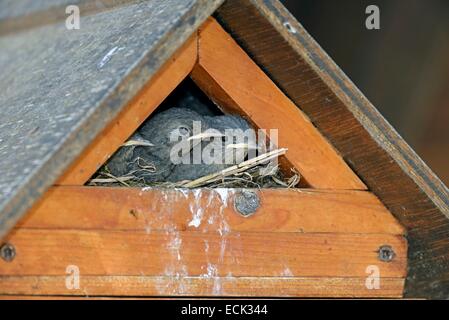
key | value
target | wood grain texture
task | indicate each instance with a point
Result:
(210, 210)
(150, 242)
(144, 286)
(195, 253)
(90, 75)
(385, 163)
(235, 82)
(133, 115)
(18, 16)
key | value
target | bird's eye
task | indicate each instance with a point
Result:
(184, 131)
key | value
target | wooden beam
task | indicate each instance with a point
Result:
(227, 75)
(196, 253)
(133, 209)
(152, 242)
(133, 115)
(144, 286)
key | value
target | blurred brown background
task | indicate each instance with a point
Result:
(403, 68)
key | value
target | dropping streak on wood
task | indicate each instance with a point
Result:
(319, 245)
(307, 211)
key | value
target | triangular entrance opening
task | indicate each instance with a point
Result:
(229, 78)
(142, 162)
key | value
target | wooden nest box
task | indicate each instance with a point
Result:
(369, 219)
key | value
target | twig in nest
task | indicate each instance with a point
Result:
(294, 180)
(112, 179)
(241, 167)
(280, 182)
(254, 173)
(137, 143)
(145, 165)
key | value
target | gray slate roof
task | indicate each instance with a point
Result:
(59, 87)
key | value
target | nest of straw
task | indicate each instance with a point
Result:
(258, 172)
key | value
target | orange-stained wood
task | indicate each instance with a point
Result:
(227, 75)
(132, 116)
(194, 253)
(282, 210)
(142, 286)
(153, 242)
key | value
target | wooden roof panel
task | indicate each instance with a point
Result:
(14, 8)
(25, 14)
(60, 87)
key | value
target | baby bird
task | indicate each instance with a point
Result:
(219, 150)
(164, 147)
(151, 162)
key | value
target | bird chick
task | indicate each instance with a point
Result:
(153, 163)
(170, 139)
(224, 144)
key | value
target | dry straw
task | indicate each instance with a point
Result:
(258, 172)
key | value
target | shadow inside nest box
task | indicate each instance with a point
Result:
(145, 160)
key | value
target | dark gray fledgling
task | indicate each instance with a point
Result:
(152, 163)
(219, 148)
(155, 163)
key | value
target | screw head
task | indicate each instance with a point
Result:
(7, 252)
(386, 253)
(246, 203)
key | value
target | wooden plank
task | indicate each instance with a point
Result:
(387, 165)
(189, 253)
(133, 115)
(320, 246)
(143, 286)
(17, 16)
(210, 210)
(226, 73)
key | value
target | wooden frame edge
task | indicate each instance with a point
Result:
(228, 76)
